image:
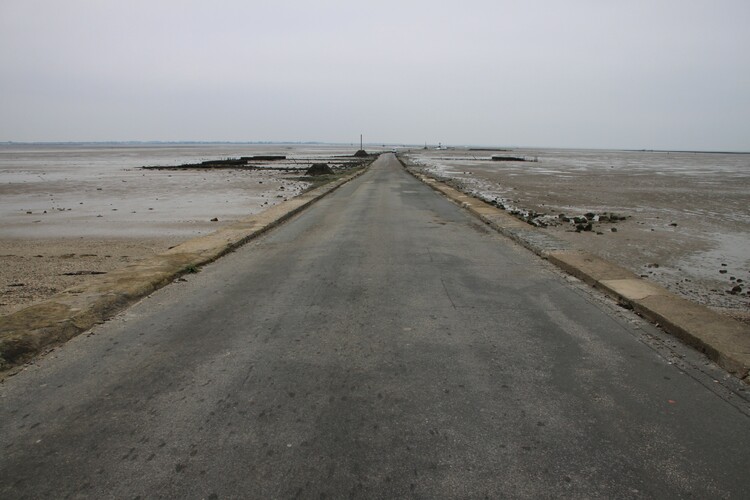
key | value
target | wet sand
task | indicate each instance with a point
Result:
(687, 223)
(67, 214)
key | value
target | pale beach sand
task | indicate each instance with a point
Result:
(68, 212)
(688, 214)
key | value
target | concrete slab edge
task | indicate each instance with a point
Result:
(723, 340)
(30, 331)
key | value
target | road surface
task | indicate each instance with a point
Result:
(382, 344)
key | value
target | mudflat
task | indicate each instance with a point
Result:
(69, 213)
(680, 219)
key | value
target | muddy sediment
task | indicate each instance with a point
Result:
(69, 214)
(679, 219)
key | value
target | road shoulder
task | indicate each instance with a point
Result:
(724, 340)
(32, 330)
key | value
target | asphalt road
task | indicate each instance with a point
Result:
(381, 344)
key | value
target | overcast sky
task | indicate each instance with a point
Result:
(603, 74)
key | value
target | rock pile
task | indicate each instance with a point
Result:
(319, 169)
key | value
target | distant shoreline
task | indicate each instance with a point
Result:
(339, 144)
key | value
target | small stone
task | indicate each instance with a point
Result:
(613, 229)
(723, 271)
(673, 224)
(215, 219)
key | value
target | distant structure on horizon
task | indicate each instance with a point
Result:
(361, 152)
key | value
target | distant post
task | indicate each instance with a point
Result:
(361, 152)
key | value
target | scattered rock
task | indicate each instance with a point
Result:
(361, 154)
(613, 229)
(723, 271)
(215, 219)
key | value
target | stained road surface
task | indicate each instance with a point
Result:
(382, 344)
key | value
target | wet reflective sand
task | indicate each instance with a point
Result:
(69, 210)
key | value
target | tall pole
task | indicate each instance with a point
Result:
(360, 142)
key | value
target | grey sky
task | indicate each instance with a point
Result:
(622, 74)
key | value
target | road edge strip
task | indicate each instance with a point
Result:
(723, 340)
(30, 331)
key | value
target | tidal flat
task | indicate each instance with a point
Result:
(681, 219)
(69, 212)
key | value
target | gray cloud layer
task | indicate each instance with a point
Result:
(635, 74)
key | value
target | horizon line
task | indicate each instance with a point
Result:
(376, 144)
